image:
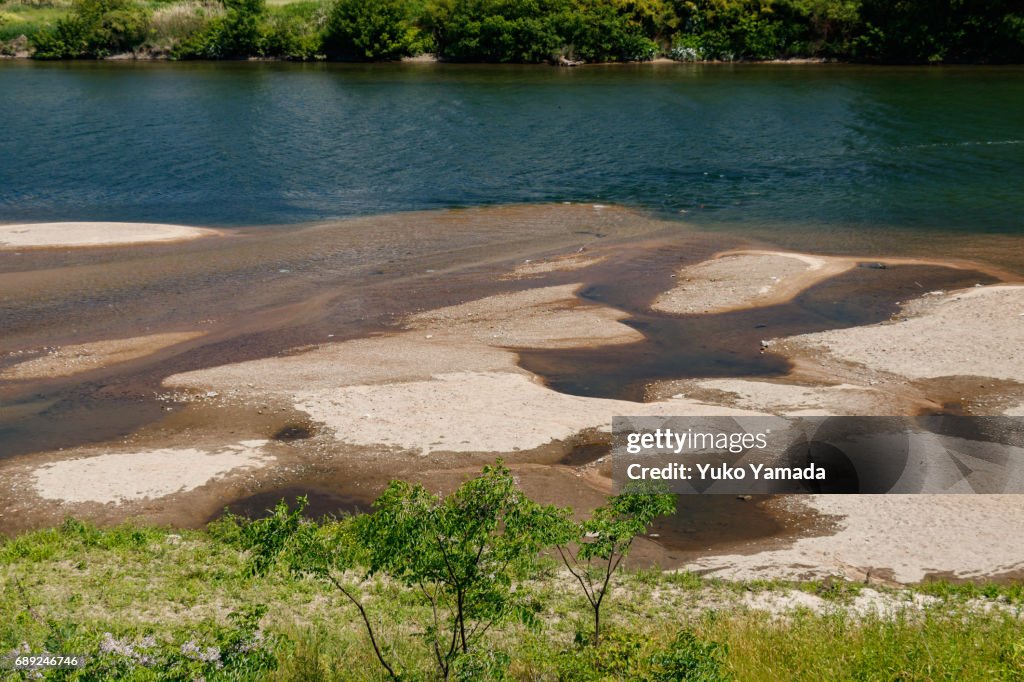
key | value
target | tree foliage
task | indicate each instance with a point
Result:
(593, 550)
(462, 554)
(525, 31)
(95, 28)
(367, 30)
(240, 33)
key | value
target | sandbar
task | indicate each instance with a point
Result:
(970, 332)
(903, 538)
(74, 359)
(130, 476)
(76, 234)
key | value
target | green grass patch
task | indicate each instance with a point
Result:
(181, 586)
(28, 20)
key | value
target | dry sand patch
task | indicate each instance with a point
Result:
(548, 317)
(742, 279)
(783, 398)
(72, 234)
(903, 536)
(473, 412)
(130, 476)
(971, 332)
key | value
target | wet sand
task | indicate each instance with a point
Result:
(74, 359)
(424, 345)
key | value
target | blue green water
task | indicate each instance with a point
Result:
(236, 144)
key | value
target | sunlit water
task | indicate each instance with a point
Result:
(825, 147)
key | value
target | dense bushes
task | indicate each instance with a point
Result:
(496, 30)
(942, 30)
(370, 29)
(596, 30)
(239, 32)
(904, 31)
(95, 28)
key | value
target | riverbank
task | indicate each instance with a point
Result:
(337, 387)
(19, 52)
(179, 586)
(492, 32)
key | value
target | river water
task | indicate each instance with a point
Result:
(829, 158)
(832, 150)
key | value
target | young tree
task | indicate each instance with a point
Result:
(326, 551)
(594, 549)
(461, 554)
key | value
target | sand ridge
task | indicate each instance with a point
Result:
(785, 398)
(74, 359)
(77, 234)
(548, 317)
(970, 332)
(741, 279)
(531, 268)
(474, 412)
(749, 278)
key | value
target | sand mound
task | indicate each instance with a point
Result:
(94, 234)
(122, 477)
(451, 383)
(534, 268)
(549, 317)
(68, 360)
(904, 537)
(472, 412)
(743, 279)
(469, 337)
(973, 332)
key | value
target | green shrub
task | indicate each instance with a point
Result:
(497, 30)
(241, 32)
(462, 557)
(370, 30)
(599, 30)
(689, 658)
(95, 28)
(628, 655)
(294, 31)
(173, 24)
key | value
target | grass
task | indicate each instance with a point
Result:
(18, 19)
(132, 581)
(171, 19)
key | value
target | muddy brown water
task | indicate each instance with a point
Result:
(725, 344)
(258, 293)
(264, 292)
